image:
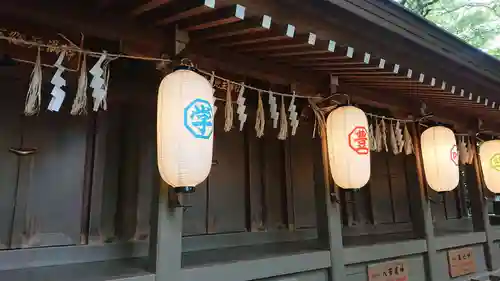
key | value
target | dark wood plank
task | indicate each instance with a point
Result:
(302, 176)
(10, 130)
(255, 176)
(362, 206)
(105, 176)
(227, 181)
(126, 215)
(437, 205)
(399, 190)
(451, 201)
(274, 184)
(52, 180)
(195, 216)
(380, 189)
(148, 172)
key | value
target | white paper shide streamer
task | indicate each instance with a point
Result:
(58, 81)
(394, 143)
(399, 137)
(242, 116)
(100, 73)
(294, 120)
(408, 143)
(273, 108)
(283, 123)
(34, 96)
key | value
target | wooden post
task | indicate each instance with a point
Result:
(479, 206)
(425, 227)
(329, 216)
(165, 247)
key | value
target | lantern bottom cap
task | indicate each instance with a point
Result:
(184, 189)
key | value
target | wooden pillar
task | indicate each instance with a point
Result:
(424, 227)
(328, 214)
(165, 246)
(479, 206)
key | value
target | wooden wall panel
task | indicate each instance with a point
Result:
(255, 177)
(437, 205)
(451, 201)
(274, 179)
(302, 176)
(399, 191)
(195, 216)
(105, 180)
(148, 173)
(10, 132)
(380, 189)
(52, 180)
(227, 181)
(126, 215)
(362, 214)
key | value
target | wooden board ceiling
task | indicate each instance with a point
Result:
(233, 30)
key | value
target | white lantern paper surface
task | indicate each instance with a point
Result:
(348, 147)
(185, 129)
(440, 158)
(489, 153)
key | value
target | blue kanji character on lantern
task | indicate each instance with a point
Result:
(198, 119)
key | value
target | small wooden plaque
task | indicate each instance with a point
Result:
(396, 270)
(461, 262)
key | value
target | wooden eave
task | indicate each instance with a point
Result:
(242, 34)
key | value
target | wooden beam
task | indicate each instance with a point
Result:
(213, 18)
(260, 69)
(301, 40)
(81, 20)
(275, 33)
(148, 6)
(179, 10)
(249, 25)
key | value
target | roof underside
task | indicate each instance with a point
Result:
(382, 64)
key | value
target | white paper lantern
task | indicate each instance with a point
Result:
(440, 158)
(185, 129)
(348, 147)
(489, 153)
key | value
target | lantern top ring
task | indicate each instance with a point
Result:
(348, 98)
(186, 64)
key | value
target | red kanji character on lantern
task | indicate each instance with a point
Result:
(358, 140)
(454, 155)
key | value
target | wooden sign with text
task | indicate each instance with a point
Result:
(389, 271)
(461, 262)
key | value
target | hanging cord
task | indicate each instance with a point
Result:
(80, 50)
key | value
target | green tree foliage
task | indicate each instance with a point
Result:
(477, 22)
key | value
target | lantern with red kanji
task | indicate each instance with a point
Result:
(348, 147)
